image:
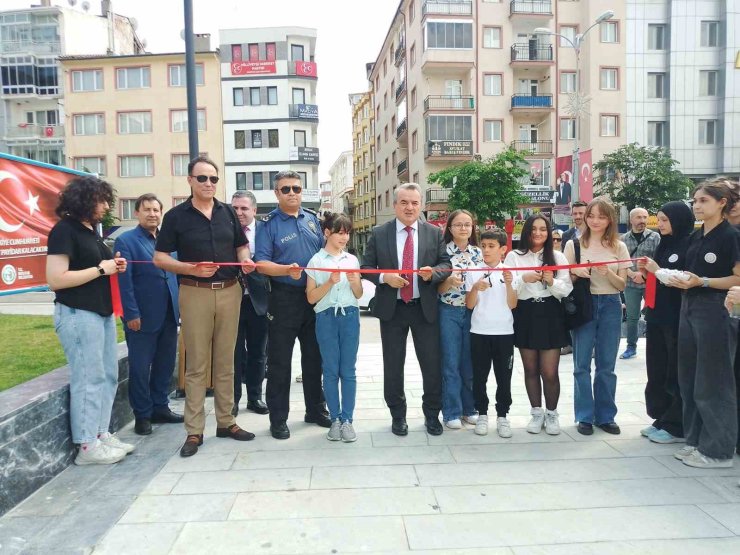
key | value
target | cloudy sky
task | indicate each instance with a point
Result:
(350, 34)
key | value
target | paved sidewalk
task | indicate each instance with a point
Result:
(457, 493)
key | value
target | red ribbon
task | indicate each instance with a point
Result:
(651, 285)
(115, 294)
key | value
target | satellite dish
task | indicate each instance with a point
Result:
(182, 34)
(72, 3)
(134, 23)
(86, 6)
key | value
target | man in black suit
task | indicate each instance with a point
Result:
(562, 190)
(578, 213)
(405, 300)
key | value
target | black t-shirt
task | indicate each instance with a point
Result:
(670, 255)
(713, 255)
(185, 229)
(85, 249)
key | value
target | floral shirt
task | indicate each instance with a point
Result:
(471, 257)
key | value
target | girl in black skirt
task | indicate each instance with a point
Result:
(539, 321)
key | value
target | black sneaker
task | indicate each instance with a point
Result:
(586, 429)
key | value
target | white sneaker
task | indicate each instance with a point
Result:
(538, 419)
(348, 432)
(454, 424)
(113, 441)
(503, 427)
(685, 451)
(335, 432)
(698, 460)
(472, 419)
(100, 454)
(552, 422)
(481, 427)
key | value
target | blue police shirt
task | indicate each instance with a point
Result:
(284, 239)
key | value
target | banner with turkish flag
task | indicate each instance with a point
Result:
(564, 164)
(29, 194)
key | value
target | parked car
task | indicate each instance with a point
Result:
(367, 301)
(113, 235)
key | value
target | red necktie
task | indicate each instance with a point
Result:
(408, 264)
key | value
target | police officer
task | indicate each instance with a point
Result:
(290, 237)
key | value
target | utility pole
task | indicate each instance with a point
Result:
(190, 80)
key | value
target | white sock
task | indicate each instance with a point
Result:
(89, 446)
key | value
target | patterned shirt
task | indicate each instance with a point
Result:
(646, 247)
(471, 257)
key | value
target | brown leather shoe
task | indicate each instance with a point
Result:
(235, 432)
(190, 447)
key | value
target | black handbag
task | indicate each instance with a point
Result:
(578, 305)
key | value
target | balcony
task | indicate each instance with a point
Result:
(436, 196)
(531, 103)
(29, 47)
(33, 131)
(401, 129)
(447, 7)
(304, 112)
(447, 102)
(531, 7)
(400, 53)
(533, 148)
(449, 149)
(523, 52)
(403, 168)
(400, 90)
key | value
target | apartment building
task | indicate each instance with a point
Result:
(32, 87)
(341, 177)
(268, 85)
(363, 154)
(127, 120)
(325, 189)
(456, 79)
(682, 83)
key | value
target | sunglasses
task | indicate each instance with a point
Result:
(287, 189)
(203, 178)
(557, 239)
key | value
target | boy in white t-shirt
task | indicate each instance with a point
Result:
(492, 298)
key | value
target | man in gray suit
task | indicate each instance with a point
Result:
(408, 301)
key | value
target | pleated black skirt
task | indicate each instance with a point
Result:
(540, 324)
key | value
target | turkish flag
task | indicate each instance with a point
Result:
(585, 178)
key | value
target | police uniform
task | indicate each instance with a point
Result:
(286, 239)
(706, 346)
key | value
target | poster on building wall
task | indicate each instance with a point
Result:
(253, 68)
(564, 173)
(306, 69)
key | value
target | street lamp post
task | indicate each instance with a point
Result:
(576, 44)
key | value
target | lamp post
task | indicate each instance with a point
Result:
(190, 80)
(576, 43)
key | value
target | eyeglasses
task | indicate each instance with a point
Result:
(203, 178)
(557, 239)
(462, 226)
(287, 189)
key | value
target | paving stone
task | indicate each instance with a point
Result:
(141, 539)
(179, 508)
(233, 481)
(342, 477)
(709, 546)
(532, 451)
(728, 514)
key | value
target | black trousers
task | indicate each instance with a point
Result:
(499, 350)
(662, 394)
(290, 317)
(250, 354)
(393, 335)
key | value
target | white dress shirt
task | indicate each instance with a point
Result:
(401, 235)
(250, 232)
(561, 284)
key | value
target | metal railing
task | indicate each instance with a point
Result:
(402, 128)
(400, 53)
(400, 89)
(447, 7)
(531, 101)
(523, 52)
(533, 147)
(34, 131)
(403, 167)
(18, 46)
(448, 102)
(437, 195)
(538, 7)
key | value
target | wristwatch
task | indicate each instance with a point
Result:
(100, 270)
(705, 282)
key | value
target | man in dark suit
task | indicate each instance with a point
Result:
(578, 213)
(150, 314)
(405, 300)
(563, 190)
(250, 354)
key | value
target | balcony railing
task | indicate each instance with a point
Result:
(33, 47)
(437, 196)
(400, 53)
(33, 131)
(401, 129)
(531, 101)
(535, 7)
(533, 147)
(403, 167)
(531, 53)
(447, 102)
(447, 7)
(400, 89)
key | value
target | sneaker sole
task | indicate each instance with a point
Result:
(349, 440)
(88, 463)
(334, 438)
(533, 431)
(691, 463)
(504, 436)
(552, 432)
(666, 442)
(680, 457)
(481, 433)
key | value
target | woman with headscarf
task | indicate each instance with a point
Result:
(662, 395)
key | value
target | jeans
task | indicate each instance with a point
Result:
(338, 335)
(89, 343)
(457, 366)
(633, 299)
(600, 336)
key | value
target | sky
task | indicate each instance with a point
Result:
(349, 36)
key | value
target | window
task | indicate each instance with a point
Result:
(240, 139)
(180, 164)
(657, 36)
(657, 133)
(385, 134)
(177, 201)
(299, 138)
(609, 31)
(609, 78)
(18, 75)
(387, 197)
(414, 141)
(440, 34)
(380, 171)
(385, 68)
(178, 75)
(296, 52)
(492, 130)
(87, 80)
(273, 138)
(568, 82)
(258, 183)
(491, 37)
(412, 55)
(656, 83)
(708, 83)
(130, 123)
(241, 181)
(416, 177)
(272, 176)
(238, 97)
(385, 101)
(91, 164)
(270, 51)
(272, 96)
(567, 129)
(254, 96)
(256, 138)
(136, 166)
(707, 131)
(133, 78)
(254, 52)
(609, 126)
(386, 166)
(394, 159)
(492, 83)
(449, 128)
(569, 32)
(413, 98)
(89, 124)
(299, 96)
(304, 179)
(412, 13)
(128, 207)
(179, 120)
(709, 33)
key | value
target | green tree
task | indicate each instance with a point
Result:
(490, 189)
(635, 175)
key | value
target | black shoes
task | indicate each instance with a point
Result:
(611, 428)
(235, 432)
(167, 417)
(318, 418)
(586, 429)
(258, 406)
(434, 426)
(143, 426)
(190, 447)
(399, 427)
(279, 430)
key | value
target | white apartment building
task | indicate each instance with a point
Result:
(341, 176)
(682, 81)
(32, 85)
(268, 87)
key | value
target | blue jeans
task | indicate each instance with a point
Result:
(338, 336)
(601, 336)
(457, 365)
(89, 342)
(633, 299)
